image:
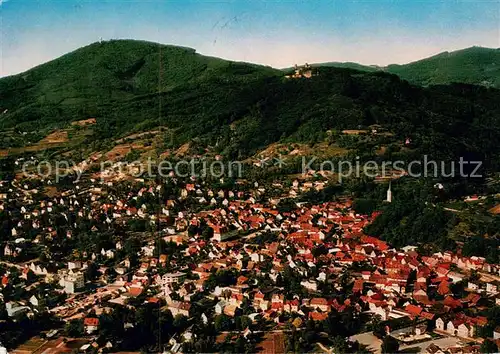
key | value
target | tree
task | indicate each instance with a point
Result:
(239, 345)
(207, 233)
(341, 344)
(74, 328)
(180, 322)
(202, 345)
(221, 323)
(92, 272)
(389, 345)
(488, 346)
(319, 251)
(245, 322)
(365, 206)
(460, 231)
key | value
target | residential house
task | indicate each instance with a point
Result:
(173, 278)
(231, 310)
(179, 308)
(219, 307)
(34, 301)
(440, 324)
(14, 308)
(320, 303)
(90, 324)
(72, 281)
(496, 333)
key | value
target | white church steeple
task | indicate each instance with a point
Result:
(389, 193)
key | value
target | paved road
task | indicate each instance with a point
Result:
(372, 343)
(9, 264)
(444, 343)
(20, 265)
(326, 350)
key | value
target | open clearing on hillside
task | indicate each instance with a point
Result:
(54, 139)
(121, 150)
(137, 136)
(284, 150)
(182, 150)
(58, 136)
(84, 122)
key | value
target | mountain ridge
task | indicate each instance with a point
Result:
(473, 65)
(412, 71)
(235, 108)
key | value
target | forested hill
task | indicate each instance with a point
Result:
(131, 86)
(102, 73)
(475, 65)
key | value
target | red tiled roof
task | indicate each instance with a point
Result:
(427, 315)
(242, 279)
(317, 301)
(134, 291)
(472, 298)
(259, 295)
(91, 321)
(413, 310)
(443, 288)
(451, 302)
(480, 321)
(358, 285)
(318, 316)
(277, 305)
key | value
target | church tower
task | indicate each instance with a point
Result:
(389, 193)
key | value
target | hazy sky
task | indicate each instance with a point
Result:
(276, 33)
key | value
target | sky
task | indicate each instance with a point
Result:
(275, 33)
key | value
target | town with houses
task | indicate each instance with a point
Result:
(191, 266)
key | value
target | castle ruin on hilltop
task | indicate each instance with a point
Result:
(305, 71)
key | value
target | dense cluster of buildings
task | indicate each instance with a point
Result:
(320, 246)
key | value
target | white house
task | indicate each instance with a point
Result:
(219, 307)
(496, 333)
(91, 325)
(472, 286)
(173, 278)
(34, 301)
(440, 324)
